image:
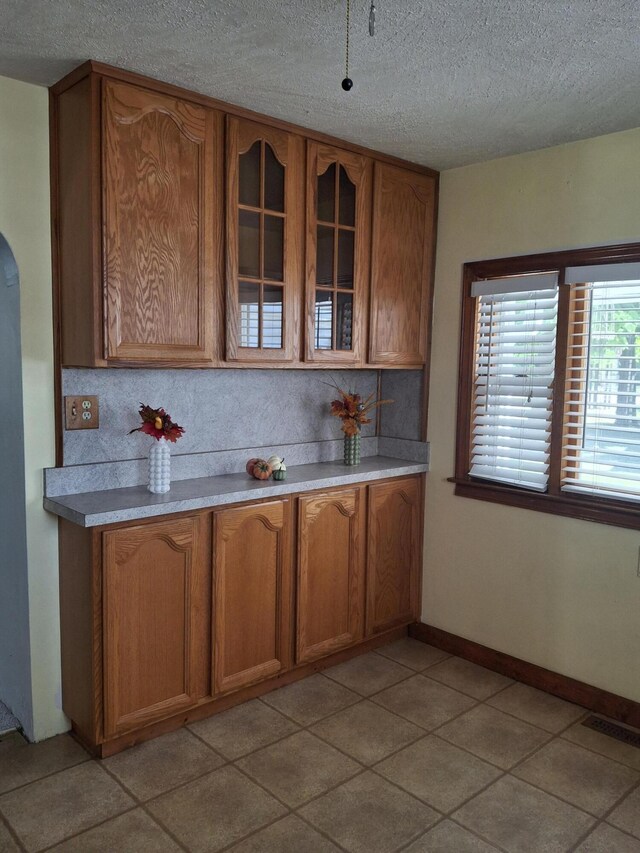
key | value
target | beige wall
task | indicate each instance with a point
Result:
(560, 593)
(25, 222)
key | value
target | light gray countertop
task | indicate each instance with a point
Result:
(91, 509)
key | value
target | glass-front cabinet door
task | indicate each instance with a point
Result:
(338, 244)
(264, 251)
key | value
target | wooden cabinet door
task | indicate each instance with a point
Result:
(156, 620)
(264, 242)
(394, 556)
(252, 604)
(330, 601)
(160, 196)
(401, 265)
(338, 254)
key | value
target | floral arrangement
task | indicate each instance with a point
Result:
(353, 411)
(158, 424)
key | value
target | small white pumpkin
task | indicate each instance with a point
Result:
(282, 467)
(275, 462)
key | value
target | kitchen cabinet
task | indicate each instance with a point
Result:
(394, 553)
(176, 248)
(156, 591)
(252, 592)
(166, 621)
(330, 589)
(401, 266)
(338, 248)
(138, 185)
(264, 242)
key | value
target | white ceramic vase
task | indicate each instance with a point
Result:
(159, 467)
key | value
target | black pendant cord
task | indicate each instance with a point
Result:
(347, 83)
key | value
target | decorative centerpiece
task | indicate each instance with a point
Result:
(158, 424)
(353, 413)
(262, 469)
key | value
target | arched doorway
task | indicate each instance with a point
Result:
(15, 658)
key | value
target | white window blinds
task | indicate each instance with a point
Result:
(601, 445)
(514, 369)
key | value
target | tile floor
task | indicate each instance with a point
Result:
(404, 749)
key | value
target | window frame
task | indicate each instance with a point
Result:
(587, 507)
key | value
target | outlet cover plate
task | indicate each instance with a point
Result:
(81, 412)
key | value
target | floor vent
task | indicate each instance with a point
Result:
(613, 730)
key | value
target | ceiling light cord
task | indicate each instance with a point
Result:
(347, 83)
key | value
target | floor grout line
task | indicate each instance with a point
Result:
(252, 751)
(603, 818)
(12, 833)
(86, 760)
(142, 804)
(252, 833)
(411, 672)
(320, 719)
(321, 832)
(535, 725)
(445, 657)
(361, 772)
(479, 835)
(87, 829)
(595, 751)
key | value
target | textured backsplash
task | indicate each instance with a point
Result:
(219, 409)
(228, 415)
(402, 419)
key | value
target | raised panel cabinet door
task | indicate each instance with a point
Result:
(394, 561)
(264, 222)
(160, 197)
(330, 593)
(338, 243)
(401, 265)
(156, 593)
(252, 585)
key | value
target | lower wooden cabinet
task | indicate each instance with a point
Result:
(162, 621)
(394, 553)
(156, 625)
(251, 601)
(330, 593)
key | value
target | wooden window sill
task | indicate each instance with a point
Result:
(604, 511)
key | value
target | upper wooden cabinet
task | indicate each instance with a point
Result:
(139, 219)
(401, 266)
(156, 589)
(182, 241)
(338, 253)
(264, 246)
(159, 226)
(330, 599)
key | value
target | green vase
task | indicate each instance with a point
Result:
(352, 449)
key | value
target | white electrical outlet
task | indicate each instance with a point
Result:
(82, 412)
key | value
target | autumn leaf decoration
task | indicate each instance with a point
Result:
(158, 424)
(353, 411)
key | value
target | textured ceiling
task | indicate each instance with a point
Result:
(444, 83)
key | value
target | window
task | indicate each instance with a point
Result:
(549, 398)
